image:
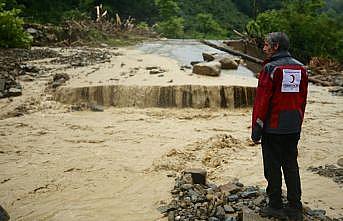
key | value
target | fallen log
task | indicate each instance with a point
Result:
(231, 51)
(317, 81)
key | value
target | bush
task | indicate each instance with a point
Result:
(12, 33)
(167, 8)
(208, 27)
(76, 15)
(143, 26)
(171, 28)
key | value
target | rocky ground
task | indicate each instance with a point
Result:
(15, 65)
(332, 171)
(43, 67)
(85, 162)
(193, 198)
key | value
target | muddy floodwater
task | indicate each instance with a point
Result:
(61, 161)
(185, 51)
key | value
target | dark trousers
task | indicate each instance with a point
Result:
(280, 151)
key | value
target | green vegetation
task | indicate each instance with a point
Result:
(314, 26)
(12, 33)
(312, 31)
(171, 25)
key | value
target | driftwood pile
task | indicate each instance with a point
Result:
(327, 72)
(81, 32)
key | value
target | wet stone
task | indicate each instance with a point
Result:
(186, 67)
(249, 194)
(238, 206)
(220, 212)
(239, 184)
(228, 209)
(212, 68)
(195, 62)
(202, 202)
(232, 198)
(186, 186)
(331, 171)
(96, 108)
(212, 186)
(165, 209)
(12, 92)
(29, 68)
(59, 79)
(209, 56)
(317, 213)
(230, 188)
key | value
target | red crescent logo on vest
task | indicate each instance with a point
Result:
(293, 78)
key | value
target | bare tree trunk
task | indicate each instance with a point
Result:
(231, 51)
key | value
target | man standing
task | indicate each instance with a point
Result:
(278, 113)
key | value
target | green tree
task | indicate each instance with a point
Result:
(208, 27)
(224, 12)
(312, 32)
(167, 9)
(173, 27)
(171, 24)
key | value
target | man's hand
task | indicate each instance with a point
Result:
(256, 134)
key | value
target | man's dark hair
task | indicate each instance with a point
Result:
(278, 38)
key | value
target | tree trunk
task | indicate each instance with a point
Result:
(231, 51)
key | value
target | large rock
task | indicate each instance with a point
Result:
(212, 68)
(209, 56)
(228, 62)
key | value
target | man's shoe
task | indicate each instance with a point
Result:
(294, 214)
(273, 212)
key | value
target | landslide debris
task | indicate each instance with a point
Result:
(85, 57)
(15, 63)
(327, 72)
